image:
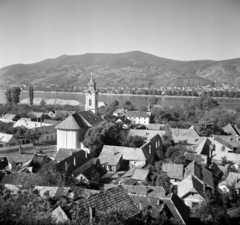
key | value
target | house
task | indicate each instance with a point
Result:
(71, 131)
(8, 140)
(125, 157)
(138, 117)
(153, 139)
(36, 116)
(226, 146)
(30, 124)
(73, 160)
(174, 171)
(124, 122)
(137, 174)
(119, 112)
(230, 129)
(59, 114)
(184, 132)
(54, 191)
(93, 206)
(175, 208)
(202, 174)
(11, 117)
(191, 191)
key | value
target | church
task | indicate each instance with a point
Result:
(71, 131)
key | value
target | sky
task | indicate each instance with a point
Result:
(34, 30)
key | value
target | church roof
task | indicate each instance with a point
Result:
(79, 120)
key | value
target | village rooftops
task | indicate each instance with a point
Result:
(5, 138)
(137, 114)
(64, 153)
(201, 173)
(79, 120)
(190, 185)
(230, 129)
(30, 124)
(11, 117)
(177, 207)
(127, 153)
(232, 142)
(149, 134)
(174, 171)
(142, 190)
(106, 200)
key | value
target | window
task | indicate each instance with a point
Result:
(47, 138)
(66, 166)
(195, 204)
(90, 102)
(156, 144)
(52, 137)
(150, 149)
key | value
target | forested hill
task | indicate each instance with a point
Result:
(129, 69)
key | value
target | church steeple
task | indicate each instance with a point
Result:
(92, 97)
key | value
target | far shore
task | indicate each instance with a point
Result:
(158, 96)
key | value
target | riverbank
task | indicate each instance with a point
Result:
(112, 94)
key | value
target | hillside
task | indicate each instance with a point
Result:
(124, 69)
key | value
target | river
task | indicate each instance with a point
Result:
(138, 100)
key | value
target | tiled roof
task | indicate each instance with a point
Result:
(106, 200)
(137, 114)
(35, 114)
(30, 124)
(228, 141)
(64, 153)
(190, 185)
(178, 208)
(141, 190)
(79, 120)
(173, 170)
(73, 122)
(111, 159)
(5, 138)
(17, 157)
(125, 120)
(90, 117)
(45, 129)
(200, 159)
(204, 147)
(201, 173)
(52, 191)
(128, 153)
(149, 134)
(129, 173)
(230, 129)
(140, 174)
(184, 132)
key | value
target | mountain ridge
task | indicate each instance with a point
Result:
(128, 69)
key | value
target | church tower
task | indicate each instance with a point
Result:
(92, 97)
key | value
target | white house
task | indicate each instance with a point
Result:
(138, 117)
(8, 140)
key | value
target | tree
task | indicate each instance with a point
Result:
(42, 103)
(114, 103)
(8, 94)
(104, 133)
(134, 141)
(206, 103)
(128, 105)
(153, 101)
(31, 95)
(13, 95)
